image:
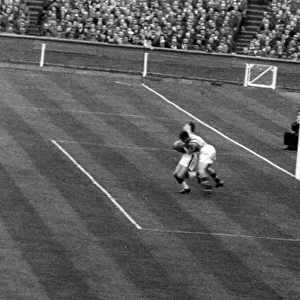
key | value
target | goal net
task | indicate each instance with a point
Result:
(260, 76)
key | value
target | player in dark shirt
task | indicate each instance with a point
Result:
(290, 139)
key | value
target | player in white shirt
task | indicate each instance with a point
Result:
(186, 166)
(191, 145)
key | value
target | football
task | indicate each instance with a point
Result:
(192, 148)
(179, 146)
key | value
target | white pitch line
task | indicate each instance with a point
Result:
(223, 234)
(217, 131)
(109, 196)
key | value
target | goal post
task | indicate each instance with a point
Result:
(145, 66)
(257, 75)
(42, 59)
(297, 172)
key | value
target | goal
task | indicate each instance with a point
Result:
(260, 76)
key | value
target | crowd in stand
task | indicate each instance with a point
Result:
(203, 25)
(200, 25)
(14, 17)
(279, 33)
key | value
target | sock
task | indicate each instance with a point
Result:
(184, 185)
(179, 180)
(213, 174)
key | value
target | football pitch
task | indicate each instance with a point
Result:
(90, 209)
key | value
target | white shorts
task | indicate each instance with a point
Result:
(207, 154)
(188, 161)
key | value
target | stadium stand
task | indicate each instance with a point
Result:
(278, 35)
(199, 25)
(261, 28)
(35, 7)
(14, 17)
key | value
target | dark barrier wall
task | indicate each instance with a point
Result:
(162, 62)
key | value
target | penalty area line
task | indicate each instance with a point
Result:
(217, 131)
(223, 235)
(102, 189)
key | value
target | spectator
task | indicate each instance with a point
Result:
(280, 53)
(174, 44)
(222, 47)
(230, 43)
(272, 54)
(245, 51)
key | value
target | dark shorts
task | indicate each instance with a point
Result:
(290, 139)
